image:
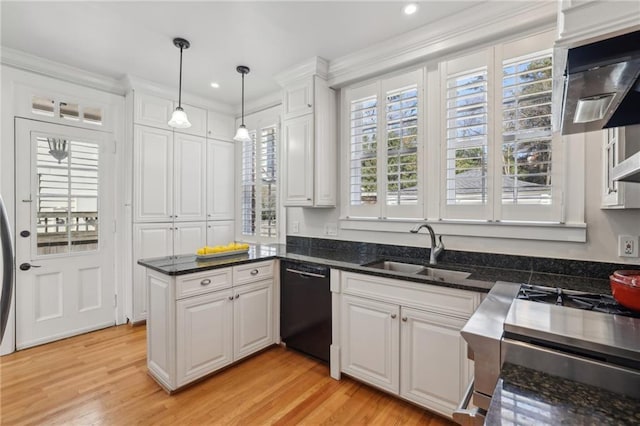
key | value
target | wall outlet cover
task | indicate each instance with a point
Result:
(295, 227)
(627, 246)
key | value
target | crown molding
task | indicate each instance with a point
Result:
(478, 24)
(131, 82)
(35, 64)
(312, 66)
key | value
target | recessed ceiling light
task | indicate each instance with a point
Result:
(215, 85)
(410, 9)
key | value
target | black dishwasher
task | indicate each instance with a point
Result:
(305, 308)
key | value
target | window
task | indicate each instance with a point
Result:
(384, 148)
(68, 111)
(259, 184)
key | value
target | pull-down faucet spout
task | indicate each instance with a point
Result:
(435, 249)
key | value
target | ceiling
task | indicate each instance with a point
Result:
(135, 38)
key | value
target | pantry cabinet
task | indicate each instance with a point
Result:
(190, 162)
(220, 232)
(220, 180)
(201, 322)
(405, 338)
(298, 98)
(189, 237)
(153, 111)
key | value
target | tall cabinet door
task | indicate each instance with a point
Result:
(370, 334)
(153, 174)
(203, 335)
(220, 232)
(220, 180)
(189, 237)
(298, 161)
(434, 364)
(190, 160)
(252, 318)
(150, 240)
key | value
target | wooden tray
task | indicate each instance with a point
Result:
(223, 254)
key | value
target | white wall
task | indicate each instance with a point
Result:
(603, 226)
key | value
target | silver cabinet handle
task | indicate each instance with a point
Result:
(255, 272)
(237, 296)
(404, 319)
(393, 316)
(205, 282)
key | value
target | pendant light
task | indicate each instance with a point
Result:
(179, 117)
(242, 135)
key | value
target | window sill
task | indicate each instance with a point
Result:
(545, 231)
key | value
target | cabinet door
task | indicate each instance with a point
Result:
(149, 240)
(220, 232)
(220, 126)
(189, 237)
(152, 110)
(203, 329)
(298, 99)
(220, 180)
(434, 366)
(617, 142)
(190, 160)
(152, 174)
(370, 333)
(252, 318)
(298, 161)
(198, 119)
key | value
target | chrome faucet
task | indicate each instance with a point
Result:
(435, 249)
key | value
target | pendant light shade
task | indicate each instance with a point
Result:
(179, 118)
(242, 135)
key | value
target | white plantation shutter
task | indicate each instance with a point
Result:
(248, 179)
(526, 130)
(364, 151)
(268, 182)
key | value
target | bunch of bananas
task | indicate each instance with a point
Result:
(222, 249)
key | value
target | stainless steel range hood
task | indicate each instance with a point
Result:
(602, 85)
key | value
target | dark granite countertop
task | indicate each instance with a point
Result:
(529, 397)
(480, 279)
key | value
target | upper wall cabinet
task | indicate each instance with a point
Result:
(298, 99)
(152, 110)
(309, 143)
(618, 143)
(220, 126)
(197, 117)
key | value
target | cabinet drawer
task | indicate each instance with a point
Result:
(251, 272)
(444, 300)
(203, 282)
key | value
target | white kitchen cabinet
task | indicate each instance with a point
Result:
(220, 180)
(150, 240)
(200, 322)
(434, 369)
(152, 110)
(370, 336)
(220, 232)
(152, 174)
(298, 98)
(189, 237)
(404, 337)
(203, 329)
(309, 148)
(617, 143)
(197, 117)
(190, 165)
(252, 318)
(220, 126)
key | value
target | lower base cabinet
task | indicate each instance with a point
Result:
(417, 354)
(201, 322)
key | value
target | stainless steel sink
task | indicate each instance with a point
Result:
(436, 274)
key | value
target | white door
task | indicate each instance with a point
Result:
(435, 369)
(371, 342)
(188, 237)
(252, 318)
(220, 180)
(64, 229)
(190, 162)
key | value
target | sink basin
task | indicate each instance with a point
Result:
(436, 274)
(408, 268)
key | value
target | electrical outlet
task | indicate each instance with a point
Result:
(295, 227)
(331, 229)
(627, 246)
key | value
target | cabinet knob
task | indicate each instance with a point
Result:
(393, 316)
(205, 282)
(230, 297)
(237, 296)
(309, 105)
(254, 272)
(175, 216)
(404, 319)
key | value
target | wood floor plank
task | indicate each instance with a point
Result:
(101, 378)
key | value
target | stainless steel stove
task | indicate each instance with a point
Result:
(580, 336)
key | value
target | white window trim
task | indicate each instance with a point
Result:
(567, 225)
(257, 121)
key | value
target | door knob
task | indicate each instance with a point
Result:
(25, 233)
(26, 266)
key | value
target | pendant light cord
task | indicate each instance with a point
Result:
(180, 82)
(243, 99)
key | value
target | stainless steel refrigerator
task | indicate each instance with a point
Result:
(7, 268)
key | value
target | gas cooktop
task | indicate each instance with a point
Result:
(575, 299)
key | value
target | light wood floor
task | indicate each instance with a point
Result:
(101, 378)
